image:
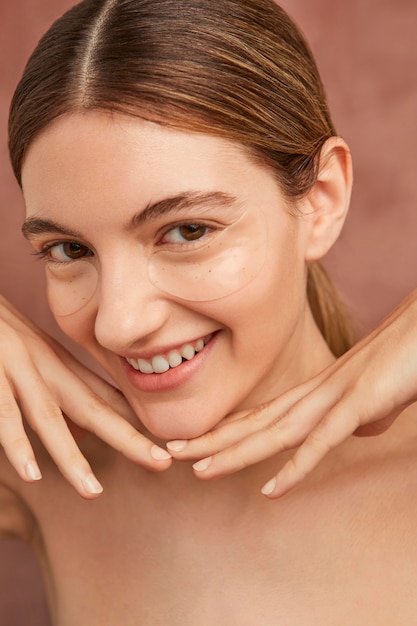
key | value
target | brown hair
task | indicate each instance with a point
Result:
(239, 69)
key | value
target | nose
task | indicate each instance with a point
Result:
(129, 308)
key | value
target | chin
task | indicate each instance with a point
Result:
(168, 422)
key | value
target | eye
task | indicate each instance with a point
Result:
(185, 233)
(66, 251)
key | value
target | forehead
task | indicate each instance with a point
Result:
(100, 143)
(97, 165)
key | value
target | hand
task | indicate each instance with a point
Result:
(42, 381)
(362, 393)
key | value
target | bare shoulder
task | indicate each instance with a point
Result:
(391, 458)
(400, 448)
(363, 528)
(402, 463)
(392, 519)
(385, 468)
(370, 490)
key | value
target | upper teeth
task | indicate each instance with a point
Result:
(160, 363)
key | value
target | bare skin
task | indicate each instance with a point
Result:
(37, 368)
(362, 392)
(158, 548)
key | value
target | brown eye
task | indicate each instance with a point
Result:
(68, 251)
(74, 250)
(186, 233)
(191, 232)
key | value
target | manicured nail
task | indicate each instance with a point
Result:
(202, 465)
(269, 487)
(32, 471)
(159, 454)
(92, 485)
(176, 446)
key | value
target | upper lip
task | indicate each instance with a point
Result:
(149, 354)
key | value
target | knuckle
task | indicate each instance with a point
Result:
(317, 440)
(295, 468)
(19, 443)
(96, 404)
(12, 344)
(114, 396)
(278, 431)
(75, 458)
(207, 443)
(236, 459)
(131, 440)
(100, 394)
(72, 461)
(258, 414)
(212, 438)
(8, 409)
(279, 419)
(47, 411)
(8, 336)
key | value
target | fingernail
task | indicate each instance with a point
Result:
(92, 485)
(159, 454)
(202, 465)
(269, 487)
(32, 471)
(176, 446)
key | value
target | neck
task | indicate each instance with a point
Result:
(239, 491)
(220, 501)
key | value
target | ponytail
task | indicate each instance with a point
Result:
(328, 310)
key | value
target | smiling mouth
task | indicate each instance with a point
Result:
(162, 363)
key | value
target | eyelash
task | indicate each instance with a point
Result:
(197, 225)
(46, 250)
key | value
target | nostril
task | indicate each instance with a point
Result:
(122, 324)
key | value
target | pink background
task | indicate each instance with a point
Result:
(367, 53)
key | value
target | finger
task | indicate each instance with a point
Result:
(332, 431)
(102, 417)
(379, 426)
(47, 421)
(348, 416)
(14, 439)
(96, 406)
(238, 426)
(44, 416)
(286, 432)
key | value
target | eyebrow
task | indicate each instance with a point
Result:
(185, 201)
(35, 226)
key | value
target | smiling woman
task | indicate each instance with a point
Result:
(286, 132)
(185, 291)
(182, 180)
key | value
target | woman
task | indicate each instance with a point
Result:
(139, 214)
(47, 377)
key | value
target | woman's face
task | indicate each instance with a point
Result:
(175, 261)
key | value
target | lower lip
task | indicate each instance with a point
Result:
(172, 379)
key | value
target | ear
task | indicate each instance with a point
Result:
(325, 208)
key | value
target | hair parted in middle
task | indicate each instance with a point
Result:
(238, 69)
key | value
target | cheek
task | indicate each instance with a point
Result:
(73, 302)
(71, 290)
(267, 308)
(79, 326)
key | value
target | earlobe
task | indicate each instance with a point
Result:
(328, 201)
